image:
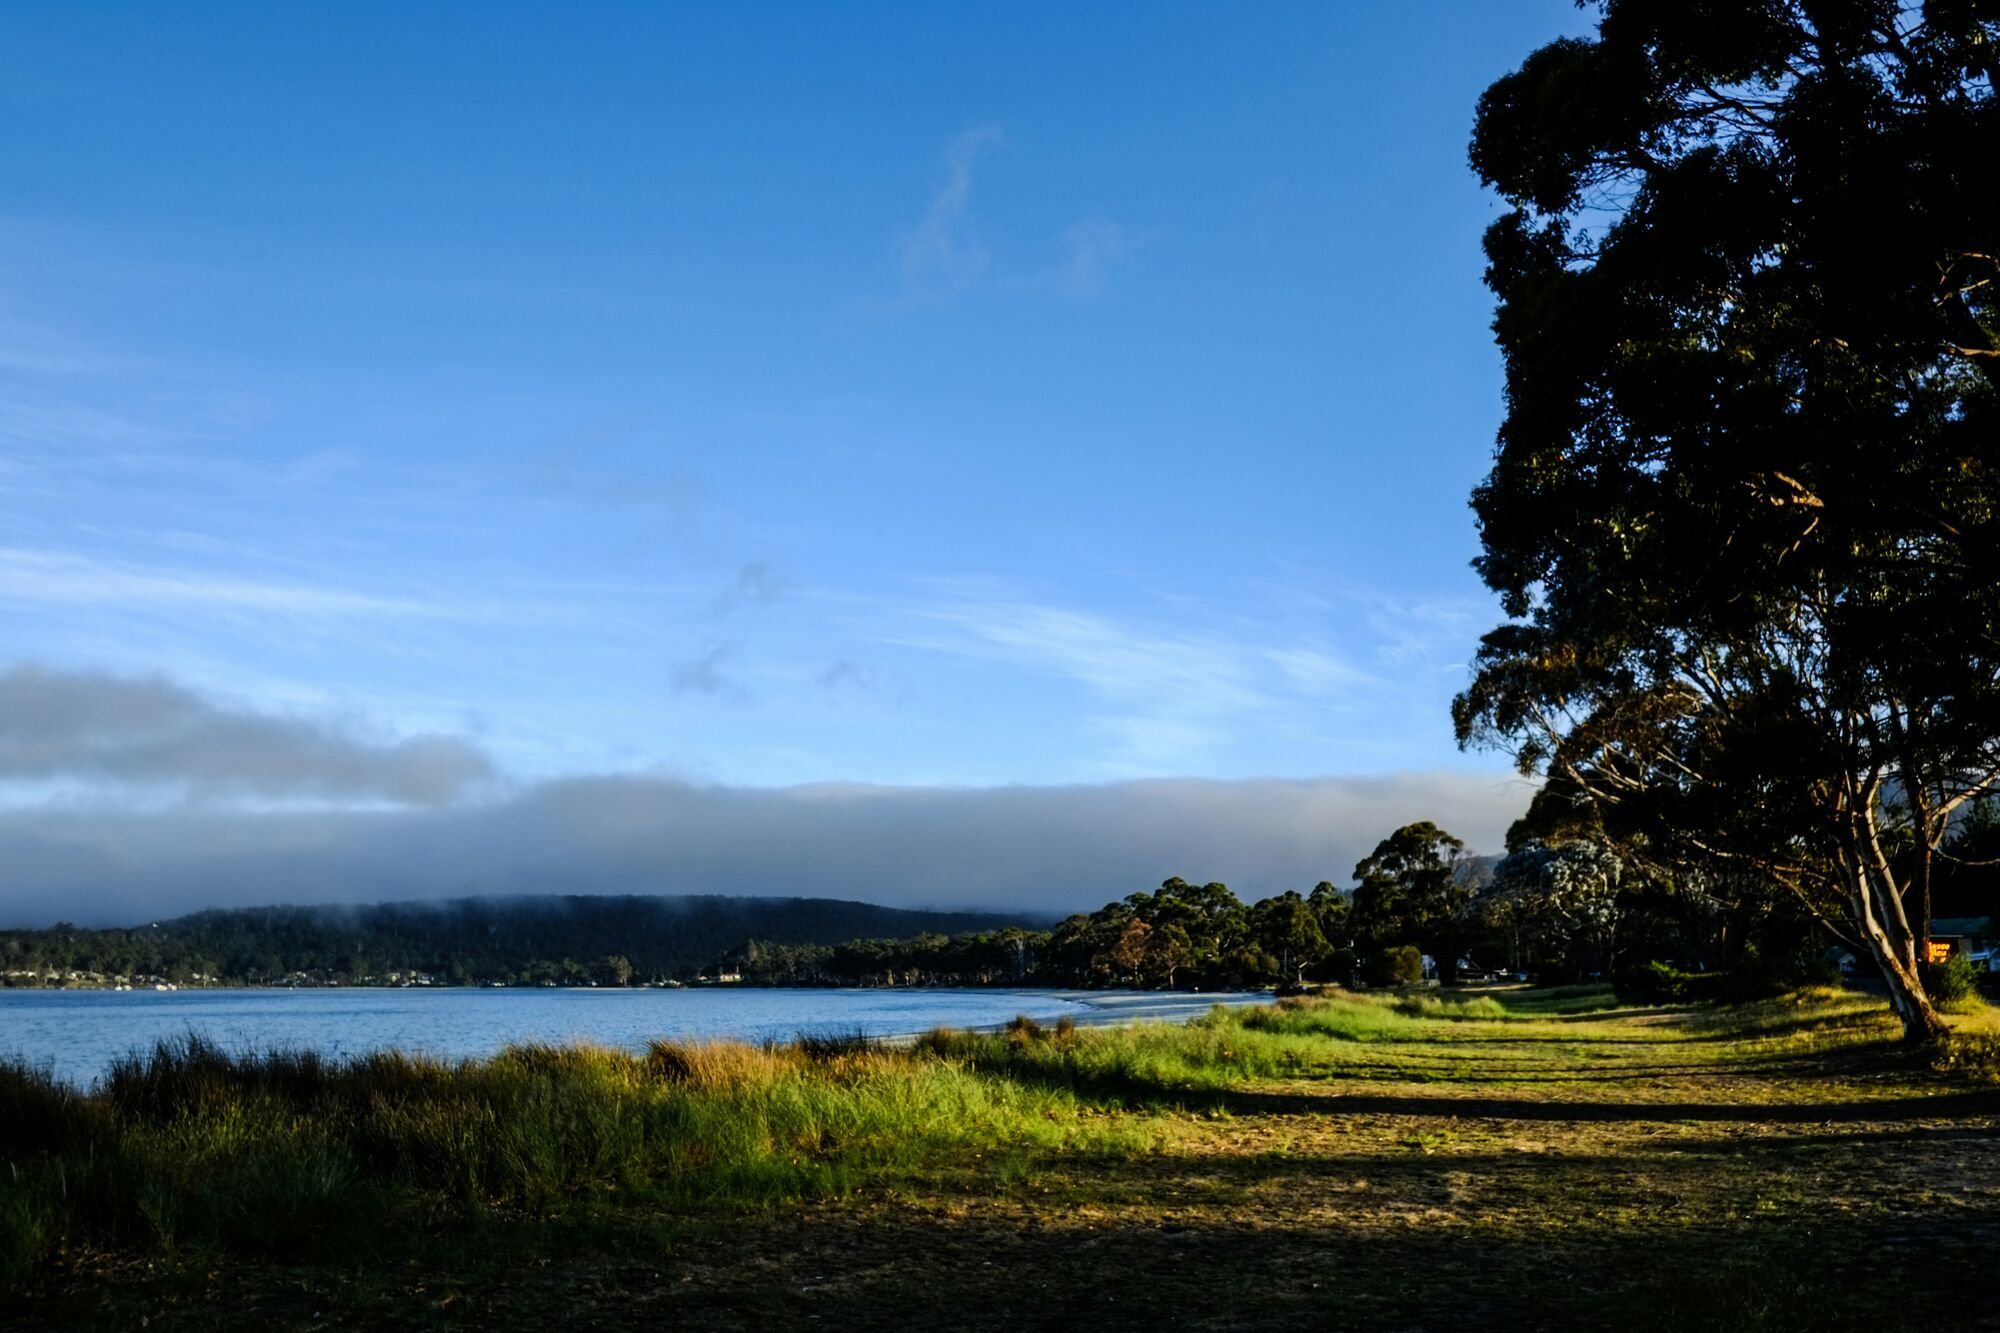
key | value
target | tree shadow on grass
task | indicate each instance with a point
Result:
(1603, 1015)
(1128, 1088)
(1543, 1076)
(1521, 1039)
(1659, 1175)
(1941, 1106)
(887, 1267)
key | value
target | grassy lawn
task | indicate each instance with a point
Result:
(1505, 1159)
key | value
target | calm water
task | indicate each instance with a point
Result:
(79, 1033)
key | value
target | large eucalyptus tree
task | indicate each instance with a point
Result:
(1744, 515)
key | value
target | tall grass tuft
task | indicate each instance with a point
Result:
(826, 1047)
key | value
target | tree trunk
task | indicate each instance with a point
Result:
(1918, 796)
(1892, 945)
(1921, 1024)
(1923, 886)
(1447, 959)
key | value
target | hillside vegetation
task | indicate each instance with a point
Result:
(568, 940)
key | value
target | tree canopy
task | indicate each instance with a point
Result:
(1743, 517)
(1412, 889)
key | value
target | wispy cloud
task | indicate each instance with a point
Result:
(940, 254)
(1433, 633)
(757, 583)
(1090, 248)
(844, 673)
(704, 674)
(850, 681)
(62, 577)
(37, 348)
(62, 395)
(1119, 661)
(1317, 671)
(1171, 695)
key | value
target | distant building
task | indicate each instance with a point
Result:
(1969, 937)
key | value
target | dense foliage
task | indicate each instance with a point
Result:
(1198, 936)
(1745, 511)
(1414, 887)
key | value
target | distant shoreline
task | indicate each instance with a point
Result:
(1080, 996)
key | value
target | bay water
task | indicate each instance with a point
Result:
(78, 1033)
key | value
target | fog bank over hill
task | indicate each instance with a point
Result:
(135, 798)
(1041, 849)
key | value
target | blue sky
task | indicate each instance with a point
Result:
(761, 394)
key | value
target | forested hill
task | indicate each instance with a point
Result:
(565, 940)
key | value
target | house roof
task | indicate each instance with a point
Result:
(1961, 925)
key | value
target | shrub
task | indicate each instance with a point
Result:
(1821, 969)
(1402, 965)
(1952, 980)
(1655, 982)
(1650, 982)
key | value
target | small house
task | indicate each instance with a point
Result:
(1969, 937)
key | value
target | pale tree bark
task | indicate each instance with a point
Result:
(1875, 907)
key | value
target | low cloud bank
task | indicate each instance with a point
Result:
(1050, 849)
(152, 733)
(402, 819)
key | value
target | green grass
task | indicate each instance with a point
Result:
(1529, 1129)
